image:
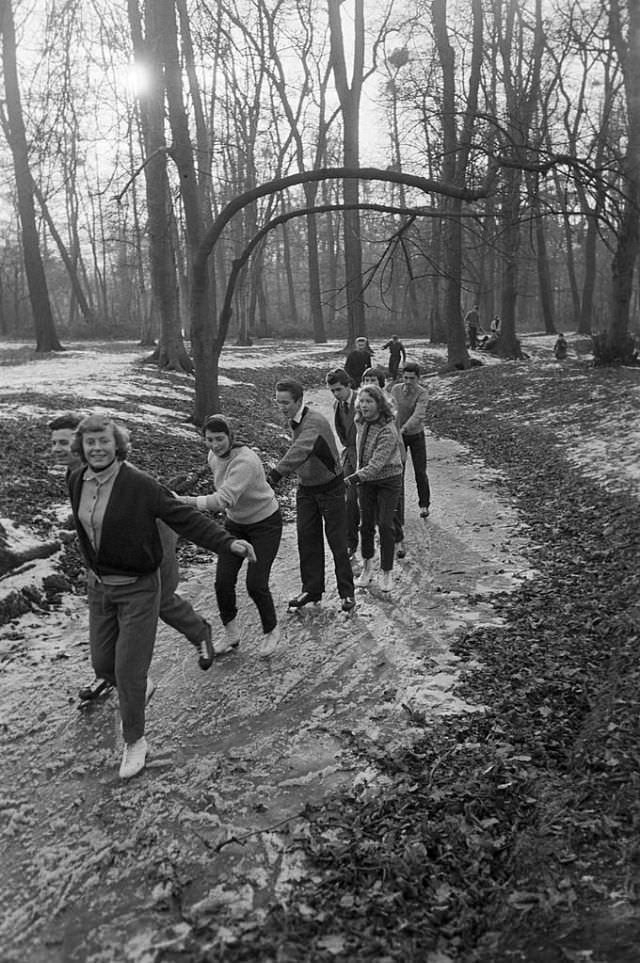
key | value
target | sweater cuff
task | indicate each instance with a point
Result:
(201, 503)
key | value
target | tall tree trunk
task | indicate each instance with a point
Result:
(349, 97)
(171, 352)
(46, 337)
(617, 345)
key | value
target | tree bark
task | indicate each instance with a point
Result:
(46, 337)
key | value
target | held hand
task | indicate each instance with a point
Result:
(351, 480)
(244, 549)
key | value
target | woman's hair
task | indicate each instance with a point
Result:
(384, 408)
(376, 373)
(101, 423)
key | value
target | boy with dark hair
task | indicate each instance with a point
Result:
(411, 408)
(320, 497)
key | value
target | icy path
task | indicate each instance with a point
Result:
(95, 870)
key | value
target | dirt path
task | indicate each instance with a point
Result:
(98, 870)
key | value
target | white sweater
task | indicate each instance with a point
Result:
(242, 491)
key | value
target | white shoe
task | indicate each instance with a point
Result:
(231, 639)
(386, 581)
(134, 758)
(269, 643)
(366, 574)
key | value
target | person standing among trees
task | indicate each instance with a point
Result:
(344, 413)
(320, 497)
(472, 323)
(358, 360)
(252, 513)
(411, 408)
(397, 352)
(116, 508)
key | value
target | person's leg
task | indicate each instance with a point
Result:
(353, 518)
(311, 541)
(333, 508)
(386, 494)
(417, 445)
(103, 629)
(265, 538)
(226, 577)
(368, 519)
(174, 610)
(138, 606)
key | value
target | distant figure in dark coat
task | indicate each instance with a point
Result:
(397, 353)
(358, 361)
(561, 348)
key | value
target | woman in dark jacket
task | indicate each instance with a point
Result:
(115, 509)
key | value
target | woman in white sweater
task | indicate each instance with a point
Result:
(251, 508)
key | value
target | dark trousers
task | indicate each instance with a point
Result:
(174, 610)
(315, 511)
(122, 631)
(265, 538)
(417, 445)
(378, 503)
(353, 517)
(394, 364)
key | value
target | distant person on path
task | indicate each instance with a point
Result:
(253, 514)
(472, 322)
(396, 354)
(411, 407)
(561, 348)
(344, 413)
(320, 497)
(358, 360)
(379, 479)
(116, 508)
(175, 611)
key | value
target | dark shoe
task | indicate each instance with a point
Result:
(348, 603)
(303, 599)
(424, 513)
(89, 692)
(401, 551)
(205, 650)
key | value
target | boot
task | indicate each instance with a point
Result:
(366, 574)
(386, 581)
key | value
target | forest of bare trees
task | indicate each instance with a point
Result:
(352, 167)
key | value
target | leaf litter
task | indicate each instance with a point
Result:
(508, 832)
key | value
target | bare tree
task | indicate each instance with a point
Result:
(46, 337)
(150, 51)
(349, 94)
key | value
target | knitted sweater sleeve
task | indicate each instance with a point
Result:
(386, 444)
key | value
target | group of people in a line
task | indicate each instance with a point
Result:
(127, 524)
